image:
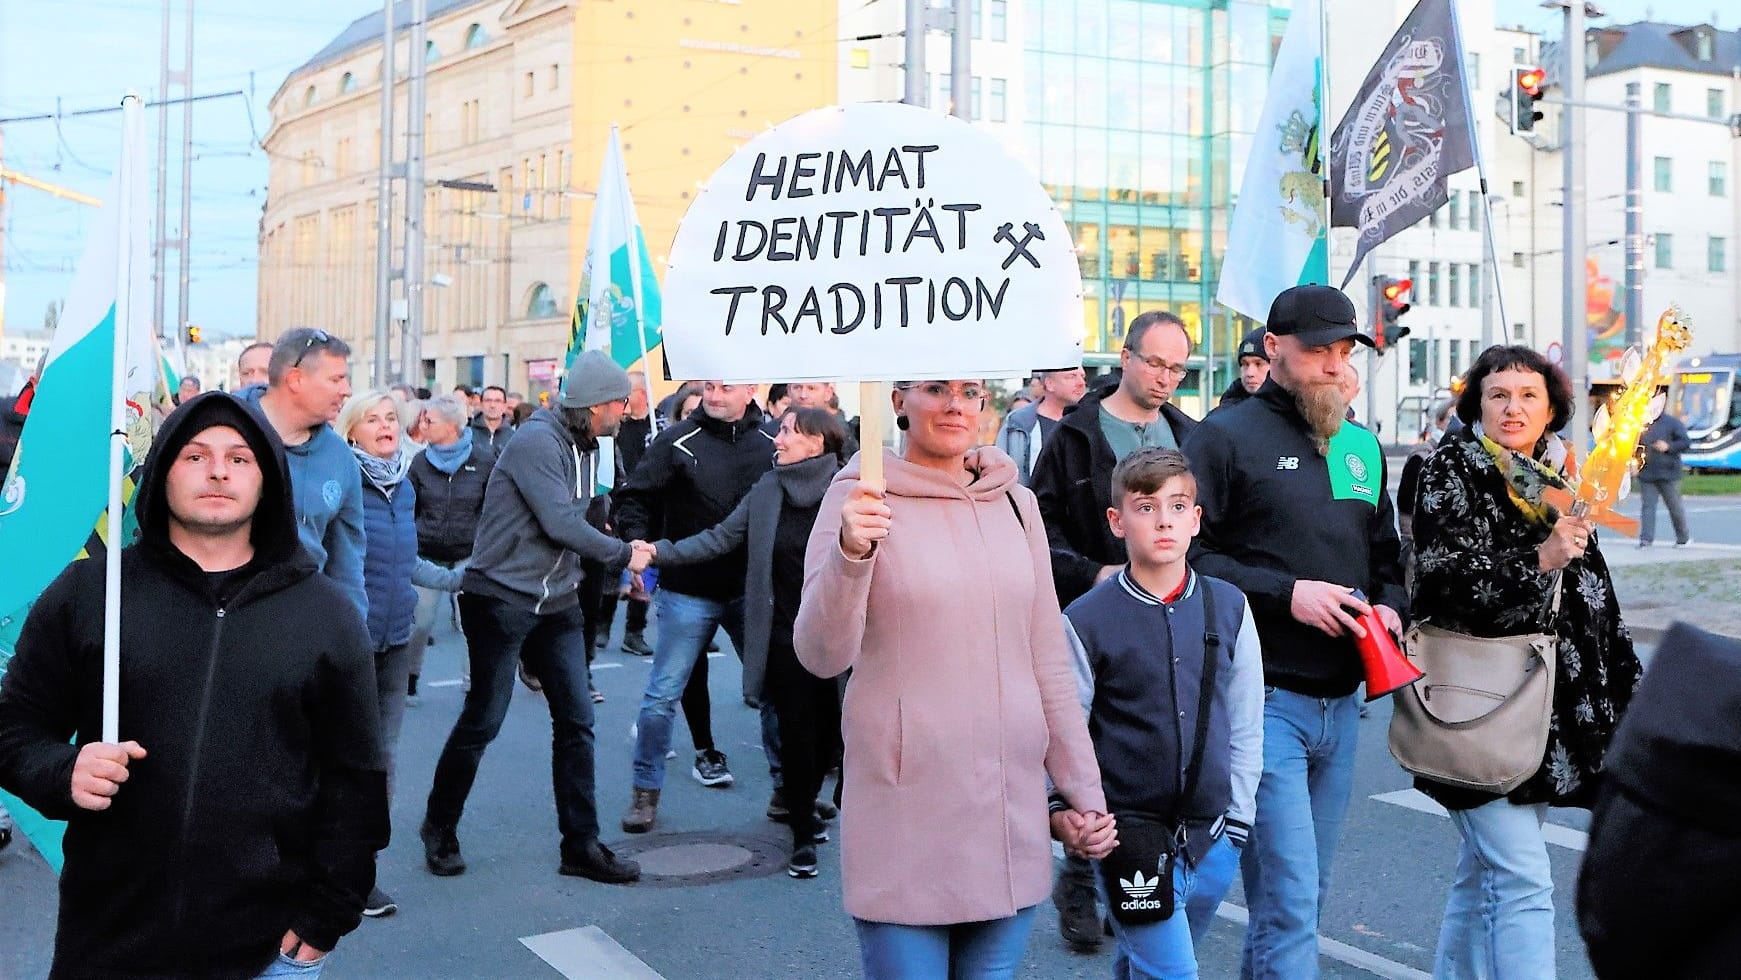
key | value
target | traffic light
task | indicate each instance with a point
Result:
(1526, 88)
(193, 334)
(1391, 300)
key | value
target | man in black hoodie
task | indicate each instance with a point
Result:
(691, 478)
(1296, 514)
(238, 820)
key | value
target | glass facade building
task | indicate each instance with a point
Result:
(1138, 116)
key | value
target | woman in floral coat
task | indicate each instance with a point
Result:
(1489, 553)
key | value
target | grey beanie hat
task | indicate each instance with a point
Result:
(594, 379)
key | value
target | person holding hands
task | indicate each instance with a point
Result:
(936, 591)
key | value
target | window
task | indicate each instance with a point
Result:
(977, 33)
(1432, 284)
(999, 98)
(1475, 284)
(468, 371)
(1517, 260)
(1519, 56)
(529, 84)
(1417, 356)
(541, 302)
(1707, 46)
(1456, 286)
(1665, 250)
(1517, 332)
(999, 20)
(555, 77)
(1476, 206)
(475, 37)
(1661, 97)
(1516, 189)
(1717, 254)
(1433, 217)
(1714, 103)
(1456, 215)
(1414, 281)
(431, 53)
(343, 155)
(1719, 179)
(347, 83)
(1665, 175)
(1456, 355)
(310, 97)
(1474, 69)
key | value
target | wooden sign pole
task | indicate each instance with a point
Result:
(873, 413)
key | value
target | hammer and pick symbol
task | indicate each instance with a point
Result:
(1005, 233)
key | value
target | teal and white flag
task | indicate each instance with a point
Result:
(53, 502)
(1277, 237)
(616, 308)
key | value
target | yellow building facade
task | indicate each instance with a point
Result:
(687, 82)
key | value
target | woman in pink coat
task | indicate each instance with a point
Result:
(937, 593)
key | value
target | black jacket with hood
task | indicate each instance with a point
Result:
(691, 478)
(262, 799)
(1073, 481)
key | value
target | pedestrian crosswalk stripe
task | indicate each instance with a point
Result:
(1354, 956)
(590, 953)
(1414, 799)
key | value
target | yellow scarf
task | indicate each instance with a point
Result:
(1526, 477)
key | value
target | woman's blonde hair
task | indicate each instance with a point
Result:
(359, 406)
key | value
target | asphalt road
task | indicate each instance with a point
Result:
(1391, 872)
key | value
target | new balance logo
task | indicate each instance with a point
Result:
(1137, 886)
(1288, 463)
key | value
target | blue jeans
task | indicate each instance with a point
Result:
(1499, 919)
(686, 623)
(284, 968)
(965, 951)
(498, 635)
(1308, 774)
(1167, 950)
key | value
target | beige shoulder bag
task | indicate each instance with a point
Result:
(1479, 718)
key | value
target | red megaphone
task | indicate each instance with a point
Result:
(1387, 670)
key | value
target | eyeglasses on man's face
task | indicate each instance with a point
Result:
(1159, 365)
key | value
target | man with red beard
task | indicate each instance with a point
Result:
(1296, 514)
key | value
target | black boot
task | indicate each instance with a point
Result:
(596, 861)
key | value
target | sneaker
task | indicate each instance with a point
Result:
(710, 769)
(380, 904)
(826, 810)
(803, 863)
(777, 811)
(643, 811)
(599, 863)
(1683, 544)
(635, 643)
(821, 835)
(441, 850)
(600, 642)
(598, 696)
(1643, 543)
(531, 682)
(1078, 918)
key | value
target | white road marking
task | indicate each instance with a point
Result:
(1354, 956)
(590, 953)
(1414, 799)
(453, 683)
(605, 666)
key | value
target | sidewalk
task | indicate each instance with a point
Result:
(1697, 584)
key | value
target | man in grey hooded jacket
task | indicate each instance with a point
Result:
(520, 602)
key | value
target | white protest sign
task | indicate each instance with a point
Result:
(874, 242)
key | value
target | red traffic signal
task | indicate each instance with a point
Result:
(1526, 88)
(1530, 80)
(1395, 292)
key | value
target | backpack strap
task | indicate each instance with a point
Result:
(1205, 700)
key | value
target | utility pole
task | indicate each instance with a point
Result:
(1634, 302)
(183, 234)
(1575, 334)
(384, 205)
(915, 81)
(410, 347)
(160, 239)
(961, 59)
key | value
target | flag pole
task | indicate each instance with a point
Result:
(1324, 129)
(631, 234)
(1493, 286)
(130, 106)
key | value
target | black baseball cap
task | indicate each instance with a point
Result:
(1317, 315)
(1252, 345)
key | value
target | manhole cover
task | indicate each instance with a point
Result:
(703, 857)
(693, 859)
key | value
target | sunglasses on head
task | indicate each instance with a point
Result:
(314, 337)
